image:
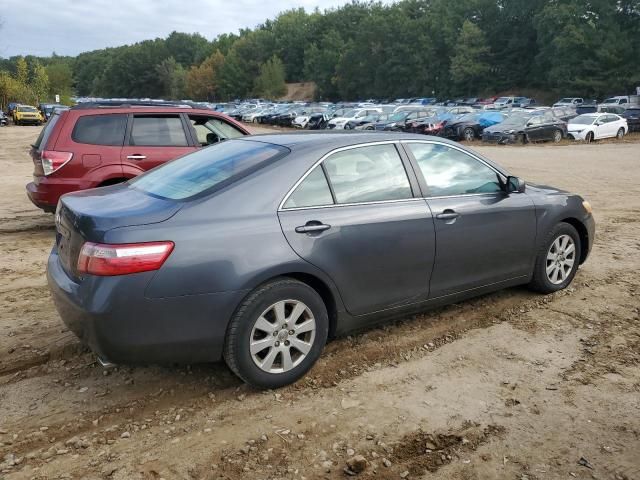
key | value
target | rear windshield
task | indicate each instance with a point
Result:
(45, 133)
(208, 169)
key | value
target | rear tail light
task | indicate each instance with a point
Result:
(122, 259)
(53, 161)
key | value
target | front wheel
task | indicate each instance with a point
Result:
(277, 334)
(468, 134)
(589, 138)
(557, 260)
(620, 133)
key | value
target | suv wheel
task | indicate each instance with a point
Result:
(557, 260)
(277, 334)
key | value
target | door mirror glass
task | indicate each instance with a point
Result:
(515, 184)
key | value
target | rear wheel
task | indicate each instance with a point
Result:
(620, 133)
(557, 136)
(277, 334)
(557, 260)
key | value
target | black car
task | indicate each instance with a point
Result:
(523, 127)
(470, 126)
(633, 118)
(259, 249)
(365, 123)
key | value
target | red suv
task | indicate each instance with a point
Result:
(98, 144)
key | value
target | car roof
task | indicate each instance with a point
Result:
(331, 140)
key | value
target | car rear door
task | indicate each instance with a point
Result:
(483, 235)
(153, 139)
(358, 216)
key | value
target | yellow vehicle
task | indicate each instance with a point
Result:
(26, 114)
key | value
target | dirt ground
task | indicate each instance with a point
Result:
(511, 385)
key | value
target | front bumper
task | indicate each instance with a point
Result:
(29, 120)
(576, 135)
(112, 316)
(500, 138)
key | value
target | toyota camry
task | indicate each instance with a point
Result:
(259, 249)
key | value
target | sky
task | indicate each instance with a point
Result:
(68, 27)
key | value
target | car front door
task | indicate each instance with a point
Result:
(358, 217)
(153, 139)
(533, 129)
(483, 235)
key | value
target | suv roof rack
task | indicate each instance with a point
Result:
(132, 103)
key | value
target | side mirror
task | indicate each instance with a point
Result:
(515, 184)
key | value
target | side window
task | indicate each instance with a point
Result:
(100, 129)
(368, 174)
(158, 131)
(313, 191)
(210, 130)
(449, 171)
(533, 121)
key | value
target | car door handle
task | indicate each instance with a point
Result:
(447, 215)
(136, 157)
(313, 227)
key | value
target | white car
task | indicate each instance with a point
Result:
(594, 126)
(355, 114)
(568, 102)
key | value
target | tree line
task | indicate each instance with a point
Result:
(411, 48)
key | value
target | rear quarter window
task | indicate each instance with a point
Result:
(45, 133)
(100, 129)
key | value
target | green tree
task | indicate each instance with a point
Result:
(469, 65)
(172, 77)
(270, 83)
(60, 76)
(22, 71)
(39, 82)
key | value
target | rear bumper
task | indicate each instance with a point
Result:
(45, 192)
(112, 316)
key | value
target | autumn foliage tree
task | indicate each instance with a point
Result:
(202, 80)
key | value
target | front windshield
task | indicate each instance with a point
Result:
(349, 113)
(469, 117)
(26, 109)
(398, 116)
(516, 119)
(502, 99)
(583, 120)
(611, 100)
(566, 100)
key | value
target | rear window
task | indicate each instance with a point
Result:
(100, 129)
(45, 133)
(209, 169)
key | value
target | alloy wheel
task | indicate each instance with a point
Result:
(620, 133)
(557, 136)
(560, 259)
(468, 134)
(282, 336)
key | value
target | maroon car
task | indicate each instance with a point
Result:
(98, 144)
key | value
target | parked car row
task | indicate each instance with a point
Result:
(29, 115)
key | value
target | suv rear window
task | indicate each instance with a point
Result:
(209, 169)
(100, 129)
(45, 133)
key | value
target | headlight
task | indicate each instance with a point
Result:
(587, 206)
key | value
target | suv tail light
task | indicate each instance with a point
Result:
(53, 161)
(122, 259)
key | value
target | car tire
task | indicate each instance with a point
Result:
(589, 138)
(557, 260)
(620, 133)
(468, 134)
(275, 360)
(557, 136)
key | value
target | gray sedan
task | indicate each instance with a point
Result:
(259, 249)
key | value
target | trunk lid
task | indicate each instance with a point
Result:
(88, 215)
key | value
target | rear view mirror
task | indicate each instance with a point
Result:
(515, 184)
